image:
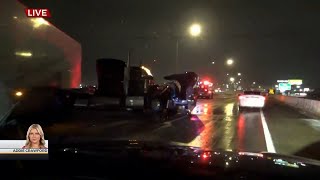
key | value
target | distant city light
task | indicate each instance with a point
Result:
(212, 62)
(239, 74)
(232, 79)
(23, 54)
(18, 93)
(303, 94)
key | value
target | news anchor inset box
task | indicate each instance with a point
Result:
(13, 150)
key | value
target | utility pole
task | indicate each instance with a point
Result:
(177, 55)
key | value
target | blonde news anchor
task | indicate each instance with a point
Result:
(35, 138)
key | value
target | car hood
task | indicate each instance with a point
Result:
(189, 154)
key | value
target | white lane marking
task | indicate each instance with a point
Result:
(169, 123)
(267, 135)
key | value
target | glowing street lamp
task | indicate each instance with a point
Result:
(229, 62)
(19, 93)
(23, 54)
(239, 74)
(195, 30)
(232, 79)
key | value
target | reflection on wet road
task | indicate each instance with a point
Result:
(226, 128)
(276, 128)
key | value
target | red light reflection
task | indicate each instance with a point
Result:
(205, 156)
(205, 110)
(241, 132)
(205, 131)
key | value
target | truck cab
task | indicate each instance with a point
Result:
(123, 85)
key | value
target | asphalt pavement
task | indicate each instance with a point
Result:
(214, 124)
(218, 124)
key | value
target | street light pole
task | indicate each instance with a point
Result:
(177, 55)
(194, 31)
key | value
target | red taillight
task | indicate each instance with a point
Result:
(206, 155)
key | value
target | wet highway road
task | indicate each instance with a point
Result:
(217, 124)
(214, 124)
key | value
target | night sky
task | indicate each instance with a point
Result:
(268, 40)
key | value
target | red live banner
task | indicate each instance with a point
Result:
(38, 12)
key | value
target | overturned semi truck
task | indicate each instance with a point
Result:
(133, 87)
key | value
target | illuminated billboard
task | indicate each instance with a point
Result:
(295, 81)
(282, 81)
(284, 87)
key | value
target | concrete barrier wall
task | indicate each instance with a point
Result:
(307, 105)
